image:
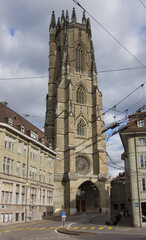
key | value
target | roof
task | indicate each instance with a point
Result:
(119, 178)
(133, 120)
(18, 122)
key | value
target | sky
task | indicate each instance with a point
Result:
(119, 39)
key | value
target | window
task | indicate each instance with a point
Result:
(10, 121)
(6, 141)
(17, 217)
(4, 165)
(40, 175)
(10, 217)
(142, 141)
(8, 165)
(10, 197)
(24, 151)
(22, 217)
(33, 154)
(35, 171)
(2, 196)
(23, 170)
(22, 128)
(19, 147)
(140, 123)
(41, 158)
(143, 160)
(49, 198)
(9, 144)
(43, 196)
(44, 160)
(44, 176)
(143, 184)
(79, 59)
(6, 197)
(33, 195)
(12, 161)
(81, 128)
(115, 206)
(13, 145)
(17, 198)
(2, 217)
(80, 95)
(18, 169)
(6, 217)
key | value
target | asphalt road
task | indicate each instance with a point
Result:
(94, 225)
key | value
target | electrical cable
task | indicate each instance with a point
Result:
(142, 4)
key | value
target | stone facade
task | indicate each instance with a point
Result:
(134, 142)
(74, 121)
(118, 197)
(27, 169)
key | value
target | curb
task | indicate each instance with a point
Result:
(66, 231)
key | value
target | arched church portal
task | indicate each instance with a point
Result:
(87, 197)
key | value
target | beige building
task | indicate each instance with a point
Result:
(134, 142)
(27, 168)
(74, 120)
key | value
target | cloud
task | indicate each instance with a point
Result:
(24, 27)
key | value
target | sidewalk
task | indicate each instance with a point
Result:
(125, 222)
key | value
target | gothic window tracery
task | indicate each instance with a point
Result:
(81, 128)
(79, 59)
(80, 95)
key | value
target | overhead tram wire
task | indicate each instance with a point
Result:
(100, 71)
(142, 4)
(126, 49)
(23, 78)
(124, 98)
(120, 69)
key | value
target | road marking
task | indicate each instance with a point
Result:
(42, 228)
(109, 228)
(68, 227)
(18, 229)
(50, 228)
(101, 228)
(84, 227)
(92, 228)
(33, 229)
(76, 228)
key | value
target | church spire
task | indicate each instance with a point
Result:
(88, 27)
(62, 18)
(67, 17)
(53, 21)
(83, 18)
(74, 18)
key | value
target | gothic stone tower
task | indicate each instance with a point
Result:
(74, 121)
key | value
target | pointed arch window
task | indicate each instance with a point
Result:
(81, 128)
(79, 59)
(80, 95)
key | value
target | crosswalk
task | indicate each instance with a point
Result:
(89, 228)
(53, 228)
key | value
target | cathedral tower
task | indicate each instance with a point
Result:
(74, 121)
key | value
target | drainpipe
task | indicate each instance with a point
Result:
(140, 217)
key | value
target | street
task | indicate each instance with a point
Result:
(91, 224)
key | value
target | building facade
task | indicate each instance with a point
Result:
(118, 197)
(27, 168)
(74, 120)
(134, 142)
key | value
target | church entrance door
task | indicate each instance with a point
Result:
(87, 198)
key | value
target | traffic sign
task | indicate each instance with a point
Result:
(64, 214)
